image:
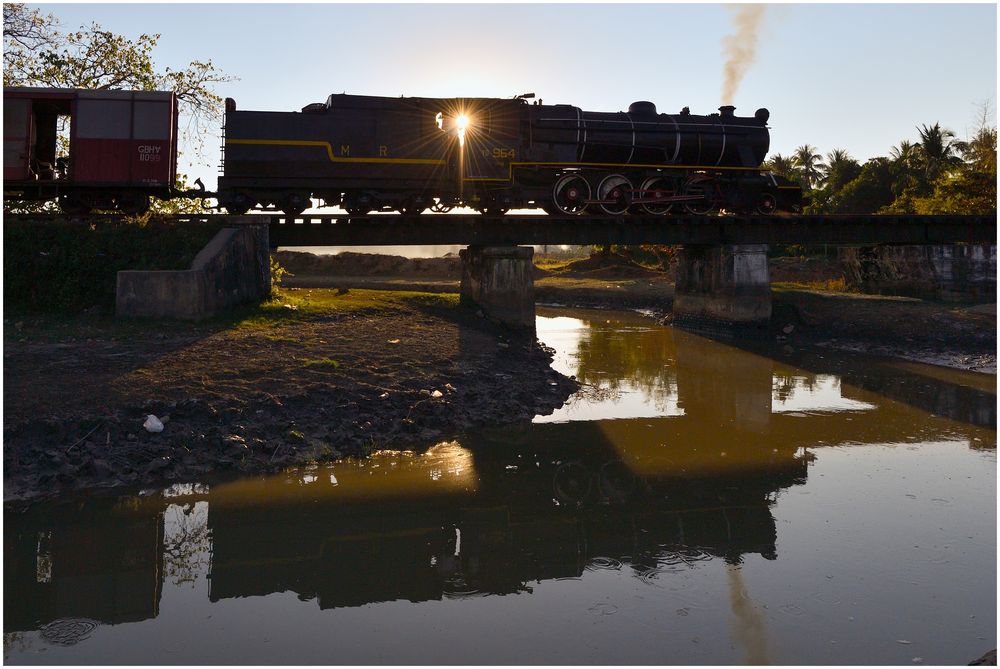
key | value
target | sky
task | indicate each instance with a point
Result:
(860, 77)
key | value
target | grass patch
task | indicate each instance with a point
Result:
(286, 307)
(325, 363)
(828, 285)
(290, 305)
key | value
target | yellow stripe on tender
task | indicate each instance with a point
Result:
(511, 166)
(329, 152)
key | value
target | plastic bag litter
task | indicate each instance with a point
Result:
(153, 424)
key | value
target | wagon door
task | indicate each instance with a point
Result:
(16, 138)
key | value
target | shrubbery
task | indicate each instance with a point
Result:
(71, 267)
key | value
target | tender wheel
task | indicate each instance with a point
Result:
(412, 209)
(705, 189)
(132, 204)
(74, 205)
(359, 203)
(238, 205)
(493, 211)
(656, 188)
(295, 204)
(570, 194)
(767, 205)
(617, 191)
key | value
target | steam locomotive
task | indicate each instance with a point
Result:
(366, 153)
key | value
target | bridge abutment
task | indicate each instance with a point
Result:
(723, 289)
(500, 281)
(956, 272)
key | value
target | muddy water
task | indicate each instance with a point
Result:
(695, 504)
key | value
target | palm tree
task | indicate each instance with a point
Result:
(906, 155)
(937, 150)
(906, 166)
(840, 168)
(808, 166)
(782, 166)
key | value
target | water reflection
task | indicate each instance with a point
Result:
(680, 487)
(538, 512)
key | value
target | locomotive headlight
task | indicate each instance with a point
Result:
(461, 124)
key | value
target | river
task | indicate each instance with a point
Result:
(694, 503)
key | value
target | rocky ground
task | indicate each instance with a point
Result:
(317, 375)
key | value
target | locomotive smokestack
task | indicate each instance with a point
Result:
(726, 111)
(740, 49)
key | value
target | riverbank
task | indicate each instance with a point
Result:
(810, 304)
(310, 377)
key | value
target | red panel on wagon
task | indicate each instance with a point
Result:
(124, 138)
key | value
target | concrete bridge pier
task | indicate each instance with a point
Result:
(500, 281)
(723, 289)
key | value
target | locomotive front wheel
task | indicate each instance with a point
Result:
(705, 190)
(657, 188)
(615, 194)
(570, 194)
(767, 205)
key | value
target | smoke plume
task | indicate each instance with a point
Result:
(740, 49)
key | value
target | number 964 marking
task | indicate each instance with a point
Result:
(499, 153)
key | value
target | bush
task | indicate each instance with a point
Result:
(70, 267)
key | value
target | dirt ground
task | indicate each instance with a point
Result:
(316, 375)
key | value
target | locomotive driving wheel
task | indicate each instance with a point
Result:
(439, 208)
(570, 194)
(704, 189)
(615, 194)
(658, 188)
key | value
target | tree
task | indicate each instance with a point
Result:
(869, 192)
(24, 32)
(37, 53)
(782, 166)
(937, 151)
(841, 168)
(808, 166)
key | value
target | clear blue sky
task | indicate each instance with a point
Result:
(859, 77)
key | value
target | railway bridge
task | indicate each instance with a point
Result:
(722, 272)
